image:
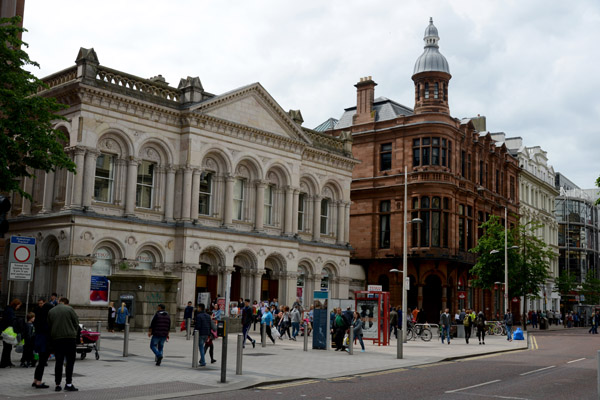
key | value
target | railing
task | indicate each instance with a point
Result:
(134, 83)
(60, 77)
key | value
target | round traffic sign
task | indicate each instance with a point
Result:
(22, 254)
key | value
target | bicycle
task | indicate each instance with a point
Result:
(496, 328)
(419, 330)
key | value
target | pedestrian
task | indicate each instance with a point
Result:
(267, 321)
(468, 324)
(188, 314)
(208, 345)
(64, 329)
(481, 327)
(285, 323)
(216, 312)
(339, 330)
(112, 315)
(54, 299)
(295, 318)
(202, 326)
(508, 321)
(42, 341)
(159, 332)
(256, 314)
(122, 314)
(247, 318)
(9, 320)
(445, 324)
(534, 319)
(358, 333)
(28, 336)
(394, 322)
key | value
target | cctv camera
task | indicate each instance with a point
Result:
(139, 287)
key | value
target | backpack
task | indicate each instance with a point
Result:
(467, 320)
(480, 322)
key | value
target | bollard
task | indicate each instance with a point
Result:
(598, 369)
(224, 359)
(188, 328)
(263, 335)
(351, 343)
(399, 348)
(305, 336)
(98, 327)
(239, 355)
(195, 350)
(126, 341)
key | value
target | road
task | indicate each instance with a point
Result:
(561, 365)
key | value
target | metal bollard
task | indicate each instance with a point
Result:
(188, 328)
(126, 341)
(399, 349)
(351, 343)
(263, 335)
(195, 350)
(305, 336)
(98, 327)
(239, 355)
(598, 369)
(224, 359)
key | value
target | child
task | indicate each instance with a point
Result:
(28, 336)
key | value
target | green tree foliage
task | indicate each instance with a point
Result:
(527, 266)
(28, 140)
(565, 283)
(591, 290)
(598, 184)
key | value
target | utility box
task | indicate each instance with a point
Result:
(222, 327)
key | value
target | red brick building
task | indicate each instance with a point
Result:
(457, 178)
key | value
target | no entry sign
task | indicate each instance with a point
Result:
(21, 258)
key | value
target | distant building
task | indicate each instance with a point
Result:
(458, 177)
(180, 194)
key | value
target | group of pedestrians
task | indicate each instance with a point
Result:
(53, 328)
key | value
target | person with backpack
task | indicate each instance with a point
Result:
(445, 324)
(508, 321)
(467, 323)
(247, 319)
(481, 327)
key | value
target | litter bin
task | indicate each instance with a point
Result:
(543, 323)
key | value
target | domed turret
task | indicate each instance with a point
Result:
(431, 76)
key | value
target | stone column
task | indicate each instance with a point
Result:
(227, 286)
(295, 211)
(89, 177)
(187, 193)
(132, 167)
(347, 223)
(445, 296)
(341, 218)
(260, 205)
(48, 192)
(316, 218)
(289, 211)
(26, 203)
(195, 194)
(420, 296)
(228, 208)
(78, 181)
(258, 284)
(169, 193)
(120, 184)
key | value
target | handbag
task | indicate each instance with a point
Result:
(182, 327)
(9, 336)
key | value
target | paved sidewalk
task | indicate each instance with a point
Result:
(136, 376)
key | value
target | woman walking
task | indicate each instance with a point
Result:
(122, 314)
(112, 314)
(9, 319)
(284, 323)
(358, 333)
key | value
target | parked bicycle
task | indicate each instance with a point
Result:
(496, 328)
(419, 330)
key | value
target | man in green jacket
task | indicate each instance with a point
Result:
(64, 328)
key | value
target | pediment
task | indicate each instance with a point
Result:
(254, 108)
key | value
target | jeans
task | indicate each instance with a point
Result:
(156, 345)
(446, 333)
(509, 332)
(295, 329)
(64, 349)
(360, 340)
(246, 336)
(201, 341)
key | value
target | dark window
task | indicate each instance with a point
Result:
(497, 181)
(384, 224)
(444, 151)
(435, 222)
(462, 164)
(415, 230)
(386, 157)
(512, 188)
(480, 222)
(481, 173)
(449, 154)
(469, 166)
(436, 90)
(435, 151)
(426, 90)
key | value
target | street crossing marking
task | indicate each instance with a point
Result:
(537, 370)
(287, 385)
(471, 387)
(579, 359)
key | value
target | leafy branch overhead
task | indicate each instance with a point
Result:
(29, 140)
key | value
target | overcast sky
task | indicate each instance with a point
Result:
(529, 66)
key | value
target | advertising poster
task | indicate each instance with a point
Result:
(99, 290)
(369, 313)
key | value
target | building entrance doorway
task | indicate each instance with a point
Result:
(432, 298)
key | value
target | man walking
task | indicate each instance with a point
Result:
(394, 322)
(188, 314)
(247, 318)
(508, 321)
(445, 323)
(64, 327)
(468, 324)
(202, 326)
(159, 331)
(295, 318)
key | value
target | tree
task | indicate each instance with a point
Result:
(591, 290)
(565, 283)
(598, 184)
(28, 140)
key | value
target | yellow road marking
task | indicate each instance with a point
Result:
(435, 364)
(286, 385)
(341, 378)
(535, 343)
(390, 371)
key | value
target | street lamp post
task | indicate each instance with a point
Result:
(506, 248)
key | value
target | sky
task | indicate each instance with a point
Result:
(530, 67)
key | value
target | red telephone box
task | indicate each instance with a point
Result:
(374, 310)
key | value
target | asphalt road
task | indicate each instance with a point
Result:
(561, 365)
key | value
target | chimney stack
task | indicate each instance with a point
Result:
(365, 96)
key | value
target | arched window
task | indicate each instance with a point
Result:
(206, 192)
(238, 199)
(145, 260)
(325, 216)
(436, 90)
(325, 280)
(268, 205)
(103, 264)
(301, 211)
(145, 184)
(426, 90)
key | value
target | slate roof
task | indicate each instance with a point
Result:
(385, 109)
(327, 125)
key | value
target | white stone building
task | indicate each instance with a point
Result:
(182, 184)
(536, 203)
